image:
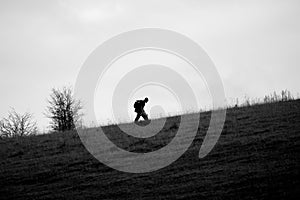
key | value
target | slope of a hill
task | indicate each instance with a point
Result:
(256, 157)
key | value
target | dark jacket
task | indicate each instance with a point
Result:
(141, 106)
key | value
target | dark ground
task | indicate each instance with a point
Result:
(256, 157)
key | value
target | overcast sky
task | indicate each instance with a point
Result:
(254, 44)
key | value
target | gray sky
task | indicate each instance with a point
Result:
(254, 44)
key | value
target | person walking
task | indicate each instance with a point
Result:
(139, 109)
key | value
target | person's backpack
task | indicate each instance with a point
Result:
(137, 104)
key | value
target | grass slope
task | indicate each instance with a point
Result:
(256, 157)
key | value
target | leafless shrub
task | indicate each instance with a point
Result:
(17, 125)
(63, 109)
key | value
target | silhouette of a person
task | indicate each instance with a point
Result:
(139, 109)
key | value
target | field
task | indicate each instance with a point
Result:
(256, 157)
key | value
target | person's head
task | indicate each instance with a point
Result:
(146, 99)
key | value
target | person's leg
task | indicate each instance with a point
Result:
(137, 117)
(145, 116)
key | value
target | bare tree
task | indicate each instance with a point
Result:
(17, 125)
(63, 109)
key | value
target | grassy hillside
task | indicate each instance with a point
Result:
(256, 157)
